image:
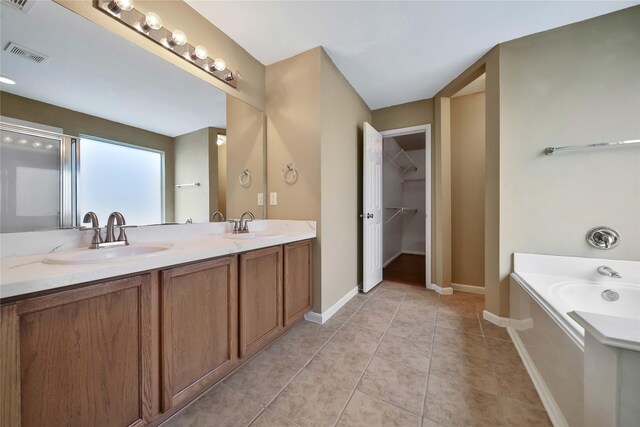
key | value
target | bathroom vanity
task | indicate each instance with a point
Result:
(133, 349)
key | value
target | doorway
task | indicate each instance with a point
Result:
(397, 204)
(404, 178)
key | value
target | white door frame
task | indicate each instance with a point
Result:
(427, 188)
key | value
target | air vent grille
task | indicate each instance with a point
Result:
(26, 53)
(20, 4)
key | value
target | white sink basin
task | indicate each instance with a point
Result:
(252, 235)
(105, 255)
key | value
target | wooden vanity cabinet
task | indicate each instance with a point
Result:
(79, 357)
(260, 295)
(298, 292)
(199, 327)
(133, 351)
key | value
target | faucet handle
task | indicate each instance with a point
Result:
(122, 236)
(97, 237)
(236, 226)
(245, 227)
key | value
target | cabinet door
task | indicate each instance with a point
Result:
(83, 355)
(199, 327)
(260, 299)
(298, 292)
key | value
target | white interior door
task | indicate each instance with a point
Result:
(372, 208)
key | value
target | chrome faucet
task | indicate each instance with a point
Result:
(241, 225)
(118, 218)
(609, 272)
(217, 214)
(95, 226)
(245, 228)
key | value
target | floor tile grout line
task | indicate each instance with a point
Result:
(433, 341)
(368, 363)
(264, 407)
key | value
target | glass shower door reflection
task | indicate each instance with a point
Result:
(30, 181)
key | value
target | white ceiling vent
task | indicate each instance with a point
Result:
(26, 53)
(23, 5)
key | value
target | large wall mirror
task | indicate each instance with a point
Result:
(96, 123)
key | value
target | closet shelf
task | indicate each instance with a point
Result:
(402, 162)
(413, 179)
(400, 211)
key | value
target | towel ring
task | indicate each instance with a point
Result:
(245, 178)
(289, 174)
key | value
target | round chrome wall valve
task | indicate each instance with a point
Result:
(603, 237)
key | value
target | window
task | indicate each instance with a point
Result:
(118, 177)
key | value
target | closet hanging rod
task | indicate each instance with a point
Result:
(400, 211)
(550, 150)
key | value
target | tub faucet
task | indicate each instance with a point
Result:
(609, 272)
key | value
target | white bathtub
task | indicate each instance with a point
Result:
(543, 290)
(565, 284)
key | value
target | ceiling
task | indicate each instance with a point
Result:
(410, 142)
(94, 71)
(392, 52)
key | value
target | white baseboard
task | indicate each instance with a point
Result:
(413, 252)
(495, 319)
(503, 322)
(472, 289)
(326, 315)
(393, 258)
(549, 403)
(441, 291)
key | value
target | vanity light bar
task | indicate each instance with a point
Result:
(150, 25)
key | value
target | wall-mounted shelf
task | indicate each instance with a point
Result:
(399, 212)
(191, 184)
(402, 162)
(550, 150)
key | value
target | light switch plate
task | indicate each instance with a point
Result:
(260, 199)
(273, 198)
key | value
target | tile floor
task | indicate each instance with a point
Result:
(399, 356)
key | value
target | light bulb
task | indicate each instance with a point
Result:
(49, 147)
(200, 52)
(150, 22)
(218, 65)
(221, 140)
(178, 38)
(7, 80)
(7, 139)
(22, 141)
(36, 144)
(118, 6)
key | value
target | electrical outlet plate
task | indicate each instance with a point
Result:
(260, 199)
(273, 198)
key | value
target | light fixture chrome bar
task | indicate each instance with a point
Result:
(150, 26)
(550, 150)
(193, 184)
